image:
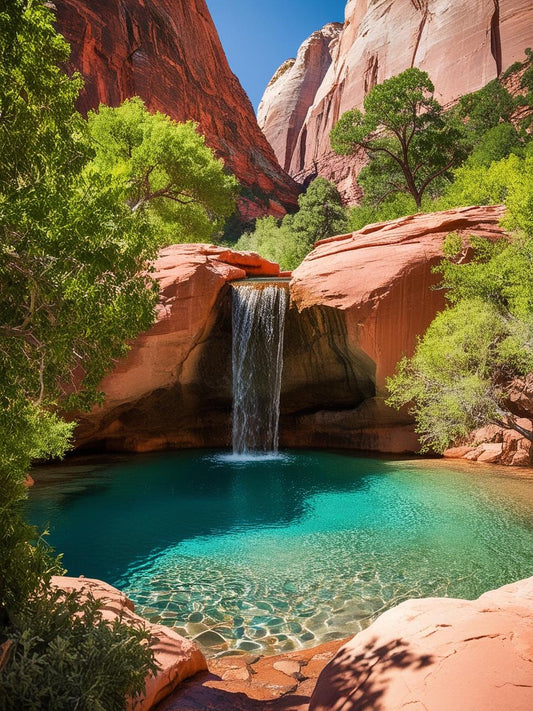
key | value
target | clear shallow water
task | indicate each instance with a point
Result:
(270, 554)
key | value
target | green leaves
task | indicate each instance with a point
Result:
(164, 169)
(453, 381)
(320, 215)
(406, 135)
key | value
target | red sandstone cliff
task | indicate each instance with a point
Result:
(358, 302)
(292, 91)
(461, 45)
(168, 52)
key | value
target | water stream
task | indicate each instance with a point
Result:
(258, 317)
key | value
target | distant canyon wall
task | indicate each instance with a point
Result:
(168, 52)
(462, 46)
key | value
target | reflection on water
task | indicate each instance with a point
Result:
(276, 553)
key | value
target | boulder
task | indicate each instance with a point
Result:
(168, 52)
(496, 445)
(438, 654)
(177, 658)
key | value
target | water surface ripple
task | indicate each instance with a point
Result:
(271, 554)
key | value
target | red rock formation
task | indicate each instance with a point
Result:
(174, 387)
(178, 658)
(292, 89)
(499, 445)
(378, 282)
(358, 303)
(438, 654)
(461, 45)
(168, 52)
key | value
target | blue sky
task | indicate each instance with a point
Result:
(258, 36)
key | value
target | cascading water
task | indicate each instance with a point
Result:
(258, 316)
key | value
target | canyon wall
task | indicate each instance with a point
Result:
(168, 52)
(358, 302)
(291, 91)
(461, 45)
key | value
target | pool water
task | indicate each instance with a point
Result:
(285, 552)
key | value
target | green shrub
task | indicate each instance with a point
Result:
(66, 657)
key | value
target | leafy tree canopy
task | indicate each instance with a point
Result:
(163, 168)
(410, 140)
(73, 281)
(320, 215)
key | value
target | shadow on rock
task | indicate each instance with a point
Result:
(355, 680)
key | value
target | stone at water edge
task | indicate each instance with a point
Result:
(177, 657)
(438, 654)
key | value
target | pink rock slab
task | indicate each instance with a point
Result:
(177, 657)
(438, 654)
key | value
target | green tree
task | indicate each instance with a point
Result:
(456, 380)
(507, 180)
(74, 287)
(410, 141)
(163, 168)
(320, 215)
(484, 109)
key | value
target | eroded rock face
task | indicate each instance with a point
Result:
(358, 302)
(174, 387)
(461, 45)
(438, 654)
(178, 658)
(292, 89)
(378, 282)
(168, 52)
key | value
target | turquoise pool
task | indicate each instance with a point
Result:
(283, 552)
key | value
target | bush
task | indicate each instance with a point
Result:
(66, 657)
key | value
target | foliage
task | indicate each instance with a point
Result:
(165, 168)
(390, 208)
(320, 215)
(508, 180)
(63, 660)
(73, 276)
(496, 143)
(410, 140)
(451, 379)
(455, 381)
(486, 108)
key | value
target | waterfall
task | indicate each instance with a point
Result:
(258, 316)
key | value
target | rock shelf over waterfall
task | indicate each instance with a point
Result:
(357, 304)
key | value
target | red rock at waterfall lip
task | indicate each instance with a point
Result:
(168, 52)
(438, 654)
